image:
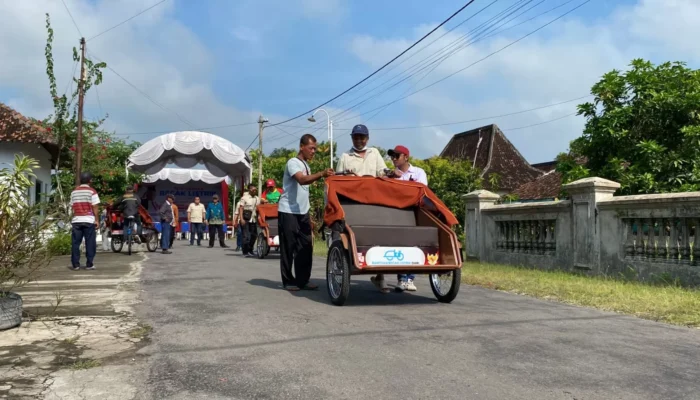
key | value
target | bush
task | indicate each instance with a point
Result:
(60, 244)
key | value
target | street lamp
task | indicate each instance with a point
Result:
(329, 126)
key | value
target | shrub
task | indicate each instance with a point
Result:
(60, 244)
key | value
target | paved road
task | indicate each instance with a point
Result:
(224, 329)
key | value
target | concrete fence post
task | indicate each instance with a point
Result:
(473, 228)
(585, 194)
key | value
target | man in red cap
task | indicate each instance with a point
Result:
(405, 172)
(272, 193)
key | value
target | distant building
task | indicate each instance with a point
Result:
(21, 135)
(491, 152)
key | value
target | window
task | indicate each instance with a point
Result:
(38, 191)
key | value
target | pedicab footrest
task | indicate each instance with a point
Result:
(406, 236)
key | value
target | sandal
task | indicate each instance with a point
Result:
(379, 284)
(291, 288)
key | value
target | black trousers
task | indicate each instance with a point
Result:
(172, 237)
(213, 231)
(296, 247)
(250, 233)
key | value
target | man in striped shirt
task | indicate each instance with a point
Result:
(84, 201)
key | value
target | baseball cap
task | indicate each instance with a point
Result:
(399, 150)
(270, 183)
(359, 129)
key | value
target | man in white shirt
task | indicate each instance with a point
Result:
(195, 217)
(296, 245)
(361, 160)
(248, 217)
(406, 172)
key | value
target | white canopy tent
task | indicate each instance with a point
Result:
(189, 148)
(182, 176)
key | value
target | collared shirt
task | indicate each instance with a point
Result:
(196, 212)
(215, 213)
(166, 212)
(250, 203)
(371, 164)
(295, 197)
(82, 199)
(415, 174)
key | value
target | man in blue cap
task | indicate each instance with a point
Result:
(364, 161)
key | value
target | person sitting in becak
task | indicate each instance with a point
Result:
(272, 193)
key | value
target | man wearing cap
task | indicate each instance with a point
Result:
(272, 193)
(405, 172)
(363, 161)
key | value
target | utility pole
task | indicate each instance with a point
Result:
(81, 95)
(261, 123)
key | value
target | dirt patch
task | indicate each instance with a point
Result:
(61, 356)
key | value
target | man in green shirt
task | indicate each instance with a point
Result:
(272, 193)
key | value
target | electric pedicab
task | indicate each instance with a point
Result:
(268, 230)
(389, 226)
(125, 231)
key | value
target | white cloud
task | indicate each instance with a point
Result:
(561, 63)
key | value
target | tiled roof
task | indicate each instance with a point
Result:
(490, 151)
(15, 127)
(546, 186)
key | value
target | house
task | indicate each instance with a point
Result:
(21, 135)
(491, 152)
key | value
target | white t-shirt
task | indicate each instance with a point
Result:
(295, 199)
(196, 212)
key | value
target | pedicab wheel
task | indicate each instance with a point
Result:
(152, 241)
(117, 243)
(338, 273)
(263, 247)
(446, 286)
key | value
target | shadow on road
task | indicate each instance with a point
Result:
(362, 293)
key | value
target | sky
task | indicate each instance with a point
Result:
(220, 64)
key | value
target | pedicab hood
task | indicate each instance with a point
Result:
(384, 192)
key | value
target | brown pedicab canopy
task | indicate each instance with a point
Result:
(381, 191)
(266, 211)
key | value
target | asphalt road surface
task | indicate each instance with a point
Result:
(224, 329)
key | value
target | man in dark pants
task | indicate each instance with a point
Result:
(166, 223)
(215, 220)
(84, 201)
(129, 207)
(248, 214)
(296, 245)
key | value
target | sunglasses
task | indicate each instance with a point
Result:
(395, 156)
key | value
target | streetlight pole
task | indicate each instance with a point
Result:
(261, 126)
(329, 127)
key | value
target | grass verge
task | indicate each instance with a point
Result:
(320, 248)
(85, 364)
(671, 304)
(141, 331)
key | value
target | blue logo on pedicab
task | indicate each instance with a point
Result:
(390, 255)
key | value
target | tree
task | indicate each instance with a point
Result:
(642, 130)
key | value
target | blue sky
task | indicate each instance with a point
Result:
(219, 62)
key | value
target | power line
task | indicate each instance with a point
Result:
(382, 67)
(478, 61)
(144, 94)
(541, 123)
(127, 20)
(71, 18)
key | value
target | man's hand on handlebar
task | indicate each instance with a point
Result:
(328, 172)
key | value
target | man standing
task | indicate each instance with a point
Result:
(248, 214)
(167, 221)
(237, 223)
(176, 220)
(272, 193)
(84, 201)
(296, 245)
(195, 217)
(361, 160)
(215, 220)
(405, 172)
(364, 161)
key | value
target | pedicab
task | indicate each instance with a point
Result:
(382, 225)
(268, 231)
(124, 233)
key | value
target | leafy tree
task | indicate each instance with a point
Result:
(642, 130)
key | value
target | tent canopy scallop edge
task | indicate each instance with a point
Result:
(182, 176)
(189, 148)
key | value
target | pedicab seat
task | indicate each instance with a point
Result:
(272, 226)
(375, 225)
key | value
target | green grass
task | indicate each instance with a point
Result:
(320, 248)
(85, 364)
(667, 303)
(141, 331)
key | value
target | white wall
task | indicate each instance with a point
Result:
(8, 150)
